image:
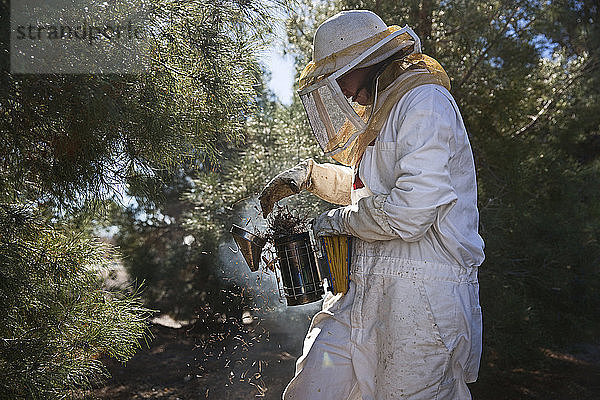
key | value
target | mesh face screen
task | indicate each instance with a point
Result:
(336, 115)
(330, 124)
(316, 124)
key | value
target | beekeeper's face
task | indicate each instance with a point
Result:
(355, 85)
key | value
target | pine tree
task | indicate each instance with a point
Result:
(72, 142)
(57, 316)
(153, 228)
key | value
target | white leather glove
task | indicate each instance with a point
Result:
(330, 182)
(287, 183)
(331, 223)
(366, 220)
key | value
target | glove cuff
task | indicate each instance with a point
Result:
(307, 182)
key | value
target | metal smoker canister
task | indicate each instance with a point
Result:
(302, 282)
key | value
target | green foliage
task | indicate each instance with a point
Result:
(180, 278)
(72, 138)
(56, 317)
(152, 239)
(69, 142)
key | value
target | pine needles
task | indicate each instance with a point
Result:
(56, 318)
(283, 222)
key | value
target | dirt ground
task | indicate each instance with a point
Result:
(255, 363)
(258, 361)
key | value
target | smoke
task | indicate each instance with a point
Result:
(263, 291)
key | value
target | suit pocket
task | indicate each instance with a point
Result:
(382, 175)
(441, 299)
(410, 318)
(472, 366)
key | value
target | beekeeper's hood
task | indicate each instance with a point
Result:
(351, 40)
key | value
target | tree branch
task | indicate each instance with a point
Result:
(588, 66)
(485, 51)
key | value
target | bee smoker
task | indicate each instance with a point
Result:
(301, 277)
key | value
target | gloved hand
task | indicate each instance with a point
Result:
(365, 220)
(287, 183)
(331, 223)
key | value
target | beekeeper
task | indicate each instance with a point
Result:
(409, 326)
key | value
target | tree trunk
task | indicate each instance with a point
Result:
(424, 25)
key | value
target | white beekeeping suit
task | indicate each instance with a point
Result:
(409, 326)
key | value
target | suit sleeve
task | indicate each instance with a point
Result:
(423, 190)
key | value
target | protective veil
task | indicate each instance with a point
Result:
(409, 326)
(344, 128)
